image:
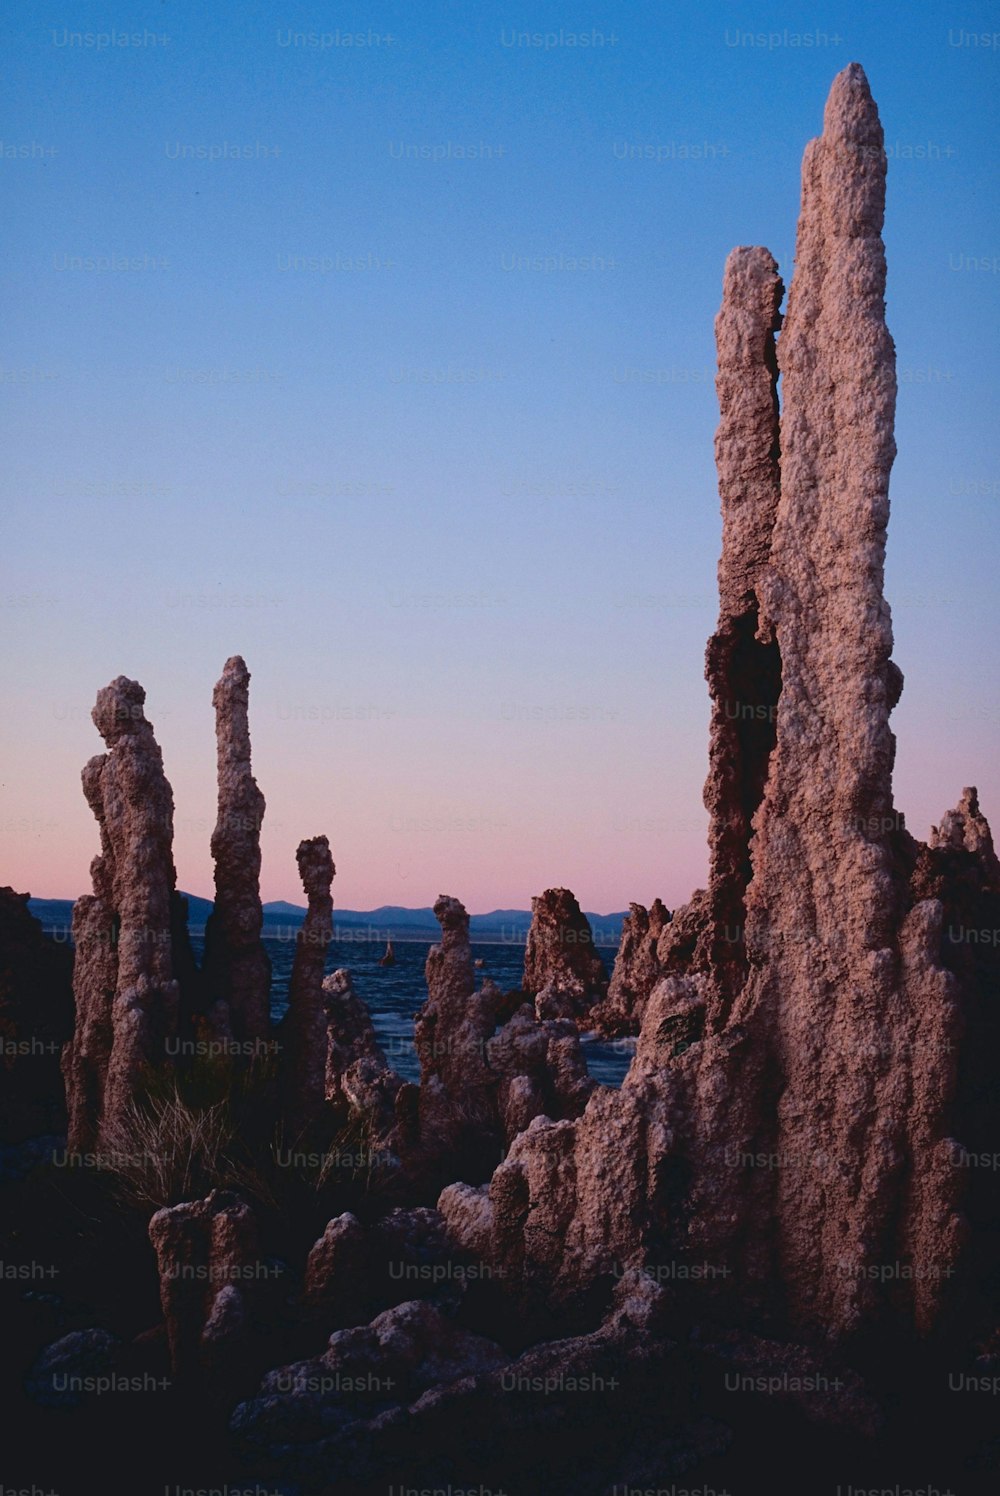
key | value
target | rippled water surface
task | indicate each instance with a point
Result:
(395, 993)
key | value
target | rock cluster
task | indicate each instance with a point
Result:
(396, 1393)
(488, 1063)
(539, 1068)
(793, 1113)
(319, 1410)
(838, 959)
(135, 982)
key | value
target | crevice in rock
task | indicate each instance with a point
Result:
(745, 673)
(755, 678)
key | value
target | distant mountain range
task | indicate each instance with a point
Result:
(389, 921)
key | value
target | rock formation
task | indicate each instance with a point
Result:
(318, 1409)
(960, 868)
(636, 971)
(539, 1068)
(792, 1114)
(833, 957)
(742, 663)
(574, 1201)
(451, 1031)
(237, 968)
(414, 1383)
(64, 1371)
(797, 1179)
(562, 970)
(356, 1271)
(124, 982)
(966, 829)
(359, 1079)
(303, 1038)
(207, 1255)
(336, 1269)
(487, 1067)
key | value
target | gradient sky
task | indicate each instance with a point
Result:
(458, 513)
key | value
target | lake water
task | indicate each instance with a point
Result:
(394, 994)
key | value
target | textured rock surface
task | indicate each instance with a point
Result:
(397, 1393)
(829, 954)
(206, 1254)
(359, 1079)
(794, 1108)
(336, 1267)
(451, 1031)
(237, 967)
(483, 1077)
(958, 871)
(636, 971)
(966, 829)
(540, 1070)
(559, 957)
(402, 1354)
(124, 984)
(355, 1271)
(742, 661)
(575, 1201)
(304, 1027)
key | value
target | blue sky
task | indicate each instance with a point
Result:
(459, 513)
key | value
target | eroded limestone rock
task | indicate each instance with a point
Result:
(359, 1079)
(124, 984)
(356, 1271)
(451, 1031)
(403, 1353)
(237, 967)
(797, 1105)
(833, 957)
(337, 1268)
(206, 1253)
(742, 660)
(562, 970)
(636, 971)
(540, 1070)
(485, 1071)
(395, 1393)
(304, 1027)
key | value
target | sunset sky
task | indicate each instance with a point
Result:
(454, 505)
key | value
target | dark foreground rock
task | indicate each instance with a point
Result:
(414, 1392)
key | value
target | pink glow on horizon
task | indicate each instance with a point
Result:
(494, 831)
